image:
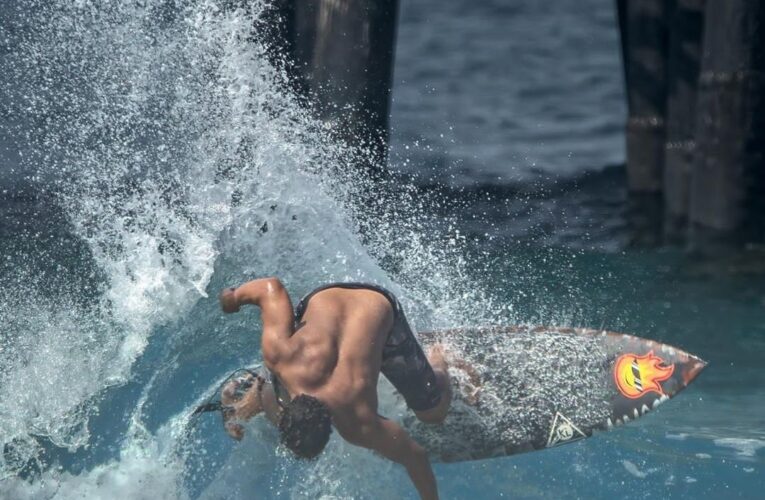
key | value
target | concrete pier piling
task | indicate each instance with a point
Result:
(727, 201)
(695, 75)
(644, 47)
(645, 43)
(343, 52)
(683, 65)
(695, 81)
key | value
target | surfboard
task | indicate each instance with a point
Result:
(519, 389)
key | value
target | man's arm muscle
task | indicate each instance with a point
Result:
(276, 311)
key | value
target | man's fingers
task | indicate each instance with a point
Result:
(231, 393)
(228, 394)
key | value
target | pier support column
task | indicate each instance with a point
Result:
(728, 180)
(645, 45)
(644, 33)
(344, 52)
(684, 62)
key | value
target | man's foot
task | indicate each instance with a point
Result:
(437, 358)
(472, 387)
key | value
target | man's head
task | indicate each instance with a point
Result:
(305, 426)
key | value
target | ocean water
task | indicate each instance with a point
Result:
(150, 156)
(496, 92)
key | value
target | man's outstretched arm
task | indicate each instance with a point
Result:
(276, 311)
(391, 441)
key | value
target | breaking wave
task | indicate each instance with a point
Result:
(182, 164)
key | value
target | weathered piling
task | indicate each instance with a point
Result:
(645, 44)
(727, 199)
(683, 65)
(343, 53)
(644, 34)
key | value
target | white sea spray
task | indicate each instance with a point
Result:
(184, 164)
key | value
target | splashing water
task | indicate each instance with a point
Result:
(183, 165)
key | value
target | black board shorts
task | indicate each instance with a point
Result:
(403, 361)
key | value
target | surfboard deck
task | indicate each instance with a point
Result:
(530, 388)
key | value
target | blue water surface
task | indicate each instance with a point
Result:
(148, 159)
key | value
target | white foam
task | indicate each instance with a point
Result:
(49, 346)
(745, 447)
(633, 469)
(681, 436)
(134, 479)
(171, 119)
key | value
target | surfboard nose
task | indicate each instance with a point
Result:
(652, 361)
(686, 366)
(691, 368)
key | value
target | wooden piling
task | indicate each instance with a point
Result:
(645, 44)
(727, 201)
(684, 63)
(644, 34)
(344, 53)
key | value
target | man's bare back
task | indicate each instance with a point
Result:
(331, 359)
(339, 351)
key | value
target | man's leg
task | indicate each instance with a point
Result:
(440, 367)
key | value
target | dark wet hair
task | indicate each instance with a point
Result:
(305, 426)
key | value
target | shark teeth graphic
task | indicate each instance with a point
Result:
(659, 401)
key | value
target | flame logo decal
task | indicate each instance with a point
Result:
(637, 375)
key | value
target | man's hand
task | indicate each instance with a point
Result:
(239, 408)
(228, 300)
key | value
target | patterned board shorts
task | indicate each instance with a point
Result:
(403, 361)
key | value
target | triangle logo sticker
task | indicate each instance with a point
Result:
(563, 430)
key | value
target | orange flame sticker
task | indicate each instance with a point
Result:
(637, 375)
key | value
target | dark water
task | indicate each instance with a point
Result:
(496, 92)
(508, 116)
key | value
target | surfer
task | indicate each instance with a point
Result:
(321, 370)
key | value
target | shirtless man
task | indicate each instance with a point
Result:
(323, 363)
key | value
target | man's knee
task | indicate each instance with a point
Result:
(430, 416)
(434, 415)
(437, 414)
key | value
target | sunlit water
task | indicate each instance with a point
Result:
(170, 162)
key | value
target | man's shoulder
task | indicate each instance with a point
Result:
(351, 413)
